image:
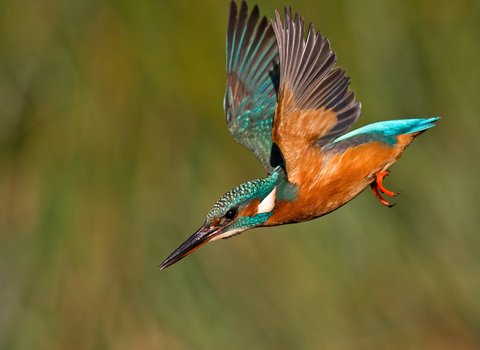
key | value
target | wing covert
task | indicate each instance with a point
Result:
(314, 103)
(306, 69)
(252, 83)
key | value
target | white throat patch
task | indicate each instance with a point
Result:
(268, 203)
(228, 234)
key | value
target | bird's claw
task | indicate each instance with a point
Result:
(377, 187)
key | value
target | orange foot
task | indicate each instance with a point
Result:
(377, 185)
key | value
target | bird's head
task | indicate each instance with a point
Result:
(246, 206)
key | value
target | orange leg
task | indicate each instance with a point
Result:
(377, 185)
(380, 176)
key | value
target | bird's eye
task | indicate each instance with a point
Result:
(231, 214)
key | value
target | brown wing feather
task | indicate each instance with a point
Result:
(296, 132)
(314, 103)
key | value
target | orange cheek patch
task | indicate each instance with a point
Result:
(250, 209)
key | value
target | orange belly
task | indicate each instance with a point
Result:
(329, 181)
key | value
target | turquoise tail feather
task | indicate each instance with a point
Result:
(392, 128)
(405, 126)
(385, 132)
(424, 124)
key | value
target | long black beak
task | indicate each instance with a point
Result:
(199, 238)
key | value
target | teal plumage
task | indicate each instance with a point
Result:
(389, 129)
(252, 83)
(259, 189)
(287, 102)
(385, 132)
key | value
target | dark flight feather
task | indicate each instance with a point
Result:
(306, 67)
(252, 83)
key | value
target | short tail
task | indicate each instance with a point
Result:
(416, 125)
(389, 129)
(410, 129)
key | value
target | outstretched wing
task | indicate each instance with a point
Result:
(252, 83)
(314, 104)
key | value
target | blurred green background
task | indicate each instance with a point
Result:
(113, 147)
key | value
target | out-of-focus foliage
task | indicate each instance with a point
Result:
(113, 147)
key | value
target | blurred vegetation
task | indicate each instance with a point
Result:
(113, 147)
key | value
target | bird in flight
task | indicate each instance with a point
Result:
(287, 103)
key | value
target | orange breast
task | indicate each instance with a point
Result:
(328, 181)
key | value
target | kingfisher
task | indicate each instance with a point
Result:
(287, 103)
